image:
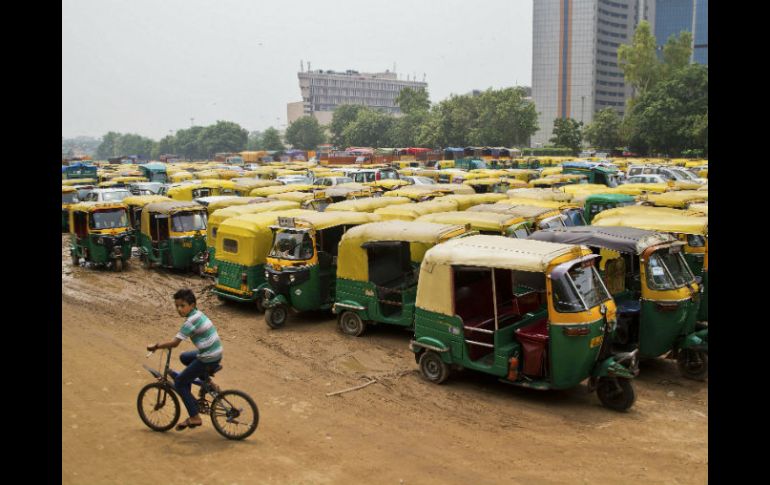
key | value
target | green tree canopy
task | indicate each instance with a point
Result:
(343, 116)
(224, 136)
(254, 141)
(604, 131)
(305, 133)
(673, 116)
(639, 61)
(566, 133)
(108, 147)
(413, 100)
(676, 53)
(187, 143)
(370, 129)
(271, 140)
(117, 144)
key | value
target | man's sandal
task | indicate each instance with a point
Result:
(187, 424)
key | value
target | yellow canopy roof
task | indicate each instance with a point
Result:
(464, 201)
(251, 184)
(637, 189)
(539, 194)
(573, 188)
(142, 200)
(366, 204)
(704, 208)
(323, 220)
(654, 219)
(352, 261)
(479, 221)
(551, 204)
(92, 206)
(232, 211)
(66, 189)
(280, 189)
(678, 199)
(294, 196)
(520, 210)
(409, 212)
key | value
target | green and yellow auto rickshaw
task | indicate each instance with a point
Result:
(281, 189)
(490, 223)
(136, 203)
(377, 271)
(680, 199)
(69, 196)
(533, 313)
(539, 217)
(596, 203)
(173, 235)
(656, 294)
(337, 194)
(494, 185)
(410, 212)
(220, 215)
(573, 212)
(242, 245)
(230, 201)
(301, 267)
(100, 234)
(690, 227)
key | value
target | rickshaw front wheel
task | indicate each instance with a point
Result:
(276, 317)
(351, 324)
(693, 364)
(433, 368)
(260, 305)
(616, 393)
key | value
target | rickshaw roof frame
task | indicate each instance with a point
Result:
(617, 238)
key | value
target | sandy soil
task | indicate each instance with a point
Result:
(400, 430)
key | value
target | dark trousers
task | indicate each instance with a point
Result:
(183, 382)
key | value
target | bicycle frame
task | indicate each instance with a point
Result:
(168, 371)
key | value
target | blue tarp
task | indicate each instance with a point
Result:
(453, 149)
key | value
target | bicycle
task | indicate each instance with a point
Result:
(158, 404)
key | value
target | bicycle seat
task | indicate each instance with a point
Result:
(215, 370)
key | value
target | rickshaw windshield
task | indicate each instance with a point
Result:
(696, 241)
(69, 198)
(108, 219)
(668, 270)
(520, 233)
(116, 196)
(553, 222)
(290, 244)
(574, 217)
(188, 221)
(578, 290)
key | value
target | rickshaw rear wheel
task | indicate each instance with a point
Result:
(146, 263)
(616, 393)
(276, 317)
(693, 364)
(117, 265)
(259, 303)
(351, 324)
(433, 368)
(75, 259)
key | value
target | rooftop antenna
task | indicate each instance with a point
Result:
(423, 77)
(301, 66)
(308, 66)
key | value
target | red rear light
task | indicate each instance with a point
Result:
(377, 176)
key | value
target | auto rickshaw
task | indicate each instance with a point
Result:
(100, 234)
(464, 201)
(281, 189)
(417, 193)
(179, 176)
(554, 181)
(173, 235)
(191, 191)
(572, 211)
(539, 194)
(366, 204)
(69, 196)
(596, 203)
(690, 227)
(377, 271)
(242, 245)
(495, 185)
(654, 290)
(301, 267)
(539, 217)
(229, 201)
(532, 313)
(244, 186)
(135, 205)
(680, 199)
(220, 215)
(491, 223)
(410, 212)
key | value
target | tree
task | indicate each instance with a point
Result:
(370, 128)
(187, 143)
(413, 100)
(305, 133)
(342, 117)
(404, 131)
(224, 136)
(566, 133)
(673, 116)
(505, 118)
(107, 148)
(604, 131)
(639, 61)
(254, 141)
(676, 53)
(271, 140)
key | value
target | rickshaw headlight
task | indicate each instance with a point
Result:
(292, 278)
(100, 240)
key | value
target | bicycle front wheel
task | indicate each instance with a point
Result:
(234, 414)
(158, 406)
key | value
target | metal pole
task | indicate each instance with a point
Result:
(494, 297)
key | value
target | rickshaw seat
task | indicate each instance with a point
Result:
(534, 343)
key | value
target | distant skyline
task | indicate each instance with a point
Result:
(149, 67)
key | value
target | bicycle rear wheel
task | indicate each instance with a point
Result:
(234, 414)
(158, 406)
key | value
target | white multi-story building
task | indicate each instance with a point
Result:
(575, 69)
(322, 91)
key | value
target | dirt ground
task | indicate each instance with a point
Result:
(401, 430)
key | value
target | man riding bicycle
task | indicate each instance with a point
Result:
(201, 362)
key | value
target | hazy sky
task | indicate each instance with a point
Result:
(147, 67)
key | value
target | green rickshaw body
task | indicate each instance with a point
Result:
(99, 241)
(596, 203)
(703, 311)
(378, 265)
(301, 288)
(663, 325)
(173, 235)
(530, 344)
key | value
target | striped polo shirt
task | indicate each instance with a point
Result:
(203, 334)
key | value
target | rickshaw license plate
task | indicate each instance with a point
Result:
(596, 341)
(186, 244)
